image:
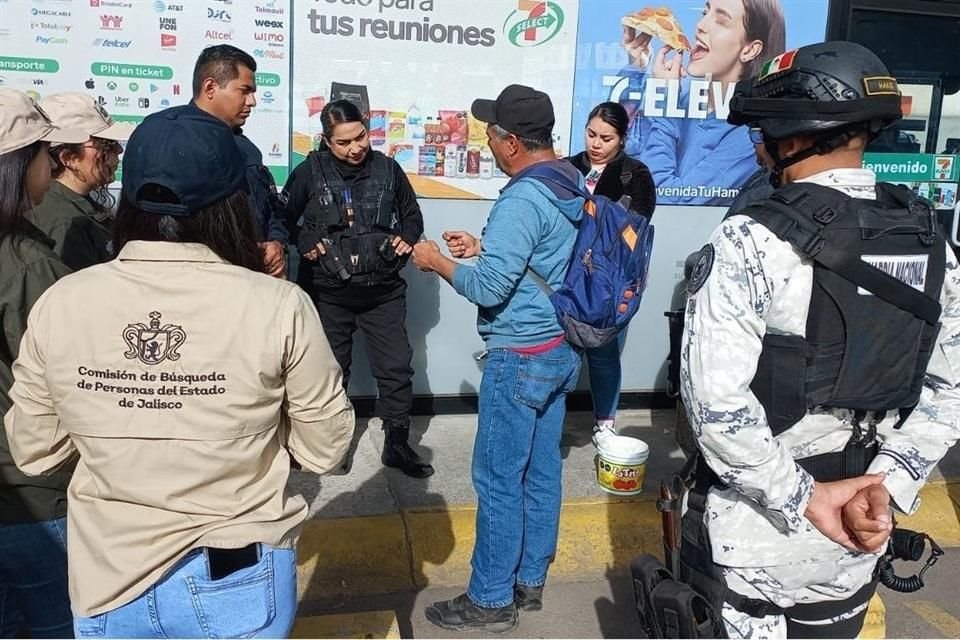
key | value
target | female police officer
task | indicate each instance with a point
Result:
(356, 217)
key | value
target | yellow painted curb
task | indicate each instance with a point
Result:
(345, 557)
(369, 624)
(875, 624)
(351, 556)
(416, 548)
(939, 513)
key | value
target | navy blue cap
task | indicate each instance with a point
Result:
(187, 151)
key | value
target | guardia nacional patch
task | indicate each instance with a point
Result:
(701, 270)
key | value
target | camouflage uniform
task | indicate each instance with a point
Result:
(759, 534)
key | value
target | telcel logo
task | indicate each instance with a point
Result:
(112, 43)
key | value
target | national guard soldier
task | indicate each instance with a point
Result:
(821, 357)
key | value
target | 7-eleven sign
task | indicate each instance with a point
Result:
(534, 22)
(535, 8)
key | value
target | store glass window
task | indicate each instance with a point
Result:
(918, 42)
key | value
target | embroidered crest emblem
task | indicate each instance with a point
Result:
(153, 344)
(701, 270)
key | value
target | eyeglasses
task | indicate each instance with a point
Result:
(756, 135)
(103, 145)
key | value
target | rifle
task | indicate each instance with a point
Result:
(669, 505)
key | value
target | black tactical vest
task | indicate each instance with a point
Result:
(365, 245)
(878, 267)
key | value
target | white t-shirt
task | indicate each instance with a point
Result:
(593, 177)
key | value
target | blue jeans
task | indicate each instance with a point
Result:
(33, 580)
(517, 469)
(603, 363)
(259, 601)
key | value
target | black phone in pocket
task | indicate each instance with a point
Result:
(223, 562)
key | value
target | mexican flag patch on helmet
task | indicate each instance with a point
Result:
(781, 63)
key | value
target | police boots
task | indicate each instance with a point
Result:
(397, 452)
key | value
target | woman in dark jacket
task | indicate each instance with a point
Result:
(610, 172)
(33, 522)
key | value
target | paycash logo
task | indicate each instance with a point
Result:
(535, 22)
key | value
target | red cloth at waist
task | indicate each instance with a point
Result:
(537, 349)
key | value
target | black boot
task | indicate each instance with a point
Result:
(397, 452)
(528, 598)
(461, 614)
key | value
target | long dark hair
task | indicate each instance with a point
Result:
(763, 21)
(226, 227)
(14, 197)
(338, 112)
(100, 195)
(614, 115)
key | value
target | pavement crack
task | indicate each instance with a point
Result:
(407, 539)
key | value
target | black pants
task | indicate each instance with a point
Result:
(388, 348)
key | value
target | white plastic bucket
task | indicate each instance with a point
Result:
(621, 464)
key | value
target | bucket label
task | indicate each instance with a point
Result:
(620, 478)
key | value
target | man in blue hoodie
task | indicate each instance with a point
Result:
(529, 367)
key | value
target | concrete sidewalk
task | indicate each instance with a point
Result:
(375, 531)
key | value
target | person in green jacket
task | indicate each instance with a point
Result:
(33, 558)
(77, 213)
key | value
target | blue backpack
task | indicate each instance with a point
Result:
(608, 269)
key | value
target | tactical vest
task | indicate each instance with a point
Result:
(872, 324)
(365, 245)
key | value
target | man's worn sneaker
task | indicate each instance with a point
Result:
(461, 614)
(528, 598)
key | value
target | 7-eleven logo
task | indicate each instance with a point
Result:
(533, 23)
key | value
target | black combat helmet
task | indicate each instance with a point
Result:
(821, 87)
(833, 90)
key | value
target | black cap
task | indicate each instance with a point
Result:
(187, 151)
(522, 111)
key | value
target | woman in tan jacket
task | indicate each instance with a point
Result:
(182, 392)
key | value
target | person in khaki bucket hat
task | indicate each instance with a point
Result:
(23, 123)
(77, 213)
(33, 581)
